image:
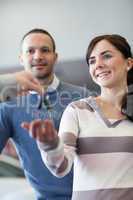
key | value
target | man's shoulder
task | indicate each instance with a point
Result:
(70, 86)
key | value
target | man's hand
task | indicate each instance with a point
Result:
(42, 130)
(27, 82)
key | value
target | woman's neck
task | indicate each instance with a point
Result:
(113, 96)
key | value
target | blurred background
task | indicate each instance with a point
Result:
(73, 23)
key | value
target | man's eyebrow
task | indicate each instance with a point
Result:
(30, 47)
(43, 46)
(36, 47)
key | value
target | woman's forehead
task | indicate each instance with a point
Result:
(102, 46)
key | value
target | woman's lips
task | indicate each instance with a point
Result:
(103, 74)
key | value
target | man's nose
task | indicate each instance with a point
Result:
(38, 54)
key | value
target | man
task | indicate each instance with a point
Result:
(24, 79)
(38, 54)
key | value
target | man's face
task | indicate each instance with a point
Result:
(37, 55)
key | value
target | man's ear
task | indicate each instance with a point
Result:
(129, 63)
(56, 57)
(21, 59)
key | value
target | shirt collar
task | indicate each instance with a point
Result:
(53, 86)
(55, 83)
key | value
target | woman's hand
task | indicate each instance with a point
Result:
(42, 130)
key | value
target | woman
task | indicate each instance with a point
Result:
(97, 136)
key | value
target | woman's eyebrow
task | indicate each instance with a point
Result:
(102, 53)
(107, 51)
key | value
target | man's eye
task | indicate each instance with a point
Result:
(45, 50)
(30, 51)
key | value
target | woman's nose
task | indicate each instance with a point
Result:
(99, 63)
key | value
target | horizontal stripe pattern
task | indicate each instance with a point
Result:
(92, 145)
(69, 138)
(105, 194)
(103, 171)
(104, 160)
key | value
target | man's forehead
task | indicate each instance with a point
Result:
(37, 39)
(45, 46)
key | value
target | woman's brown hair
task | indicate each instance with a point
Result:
(121, 44)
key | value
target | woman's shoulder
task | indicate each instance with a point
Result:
(83, 104)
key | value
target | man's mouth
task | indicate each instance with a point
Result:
(39, 65)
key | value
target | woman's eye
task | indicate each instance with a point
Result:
(107, 56)
(91, 62)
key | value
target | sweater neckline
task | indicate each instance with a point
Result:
(110, 123)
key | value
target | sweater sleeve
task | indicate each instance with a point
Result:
(8, 87)
(7, 80)
(59, 160)
(5, 125)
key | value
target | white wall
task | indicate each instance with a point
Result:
(72, 23)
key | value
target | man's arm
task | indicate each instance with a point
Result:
(25, 80)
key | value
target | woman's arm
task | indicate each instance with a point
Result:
(57, 151)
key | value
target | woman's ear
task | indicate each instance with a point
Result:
(129, 63)
(130, 72)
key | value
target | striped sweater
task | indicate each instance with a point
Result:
(102, 151)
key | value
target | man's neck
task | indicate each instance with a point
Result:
(45, 82)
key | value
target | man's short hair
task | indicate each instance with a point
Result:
(37, 30)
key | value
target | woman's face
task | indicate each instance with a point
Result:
(107, 65)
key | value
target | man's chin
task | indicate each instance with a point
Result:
(39, 74)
